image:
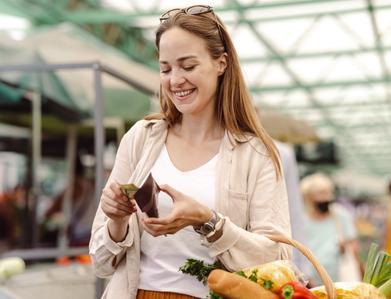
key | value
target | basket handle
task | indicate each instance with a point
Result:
(328, 283)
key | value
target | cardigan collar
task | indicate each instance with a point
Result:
(230, 140)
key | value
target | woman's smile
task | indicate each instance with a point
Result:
(182, 95)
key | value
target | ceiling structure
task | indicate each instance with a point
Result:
(325, 62)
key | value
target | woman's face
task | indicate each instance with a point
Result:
(188, 74)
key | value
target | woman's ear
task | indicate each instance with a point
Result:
(222, 63)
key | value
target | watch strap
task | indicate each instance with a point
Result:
(209, 226)
(217, 233)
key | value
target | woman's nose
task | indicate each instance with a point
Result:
(177, 78)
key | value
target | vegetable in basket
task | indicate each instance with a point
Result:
(199, 269)
(378, 269)
(350, 290)
(264, 280)
(272, 275)
(376, 282)
(295, 290)
(233, 286)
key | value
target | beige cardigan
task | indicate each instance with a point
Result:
(247, 193)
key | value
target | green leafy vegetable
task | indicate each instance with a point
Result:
(253, 277)
(199, 269)
(378, 269)
(213, 295)
(381, 265)
(373, 249)
(267, 284)
(241, 273)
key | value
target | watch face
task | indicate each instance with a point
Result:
(207, 228)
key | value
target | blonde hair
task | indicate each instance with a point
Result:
(314, 183)
(233, 106)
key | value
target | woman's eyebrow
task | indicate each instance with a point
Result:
(180, 59)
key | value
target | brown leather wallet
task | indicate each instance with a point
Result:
(145, 196)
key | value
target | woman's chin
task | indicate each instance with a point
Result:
(184, 108)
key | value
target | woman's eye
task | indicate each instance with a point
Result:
(165, 71)
(189, 68)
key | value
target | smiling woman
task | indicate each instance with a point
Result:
(189, 76)
(218, 170)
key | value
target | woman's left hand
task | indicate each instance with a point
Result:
(186, 211)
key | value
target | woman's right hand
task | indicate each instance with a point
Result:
(118, 208)
(116, 205)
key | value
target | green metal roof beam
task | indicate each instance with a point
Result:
(138, 48)
(379, 45)
(291, 56)
(41, 11)
(341, 105)
(30, 10)
(315, 14)
(96, 16)
(99, 16)
(93, 3)
(299, 83)
(311, 86)
(276, 4)
(369, 126)
(59, 4)
(218, 9)
(9, 8)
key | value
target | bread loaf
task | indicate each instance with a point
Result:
(233, 286)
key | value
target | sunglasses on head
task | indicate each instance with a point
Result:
(193, 10)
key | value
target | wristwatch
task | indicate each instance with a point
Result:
(210, 228)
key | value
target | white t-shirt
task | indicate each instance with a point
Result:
(161, 257)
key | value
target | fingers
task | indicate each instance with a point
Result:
(159, 230)
(122, 203)
(115, 204)
(160, 221)
(120, 206)
(174, 194)
(114, 187)
(115, 197)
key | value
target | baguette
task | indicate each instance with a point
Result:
(234, 286)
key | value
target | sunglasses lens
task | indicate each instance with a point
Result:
(198, 9)
(169, 14)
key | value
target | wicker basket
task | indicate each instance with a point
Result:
(328, 283)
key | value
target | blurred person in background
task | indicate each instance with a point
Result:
(12, 207)
(7, 222)
(219, 172)
(296, 205)
(330, 229)
(82, 210)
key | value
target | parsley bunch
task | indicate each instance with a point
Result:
(199, 269)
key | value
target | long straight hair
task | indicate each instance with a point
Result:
(233, 106)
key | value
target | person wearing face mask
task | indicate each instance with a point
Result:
(329, 228)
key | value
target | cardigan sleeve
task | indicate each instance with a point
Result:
(105, 253)
(267, 212)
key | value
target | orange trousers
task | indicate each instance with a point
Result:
(142, 294)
